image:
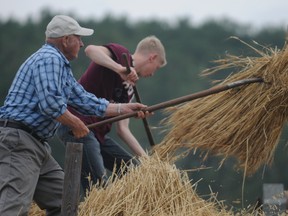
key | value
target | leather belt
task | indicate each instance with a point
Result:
(21, 126)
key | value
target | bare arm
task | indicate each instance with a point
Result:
(123, 131)
(102, 56)
(114, 109)
(78, 128)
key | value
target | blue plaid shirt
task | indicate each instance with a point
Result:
(41, 90)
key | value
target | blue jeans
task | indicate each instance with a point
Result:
(97, 157)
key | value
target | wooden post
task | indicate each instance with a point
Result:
(72, 169)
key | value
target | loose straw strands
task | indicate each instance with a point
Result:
(245, 122)
(36, 211)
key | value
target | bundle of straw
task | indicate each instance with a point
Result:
(245, 123)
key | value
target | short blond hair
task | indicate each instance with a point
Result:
(152, 44)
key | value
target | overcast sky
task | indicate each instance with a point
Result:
(256, 13)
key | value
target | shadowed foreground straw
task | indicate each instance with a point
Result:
(154, 188)
(245, 122)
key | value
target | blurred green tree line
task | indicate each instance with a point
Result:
(190, 49)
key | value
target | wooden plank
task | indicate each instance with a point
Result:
(72, 169)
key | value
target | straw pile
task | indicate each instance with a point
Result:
(153, 189)
(245, 123)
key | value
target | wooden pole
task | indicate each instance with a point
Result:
(72, 169)
(138, 99)
(180, 100)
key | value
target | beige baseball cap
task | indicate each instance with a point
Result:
(62, 25)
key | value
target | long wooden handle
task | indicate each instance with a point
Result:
(180, 100)
(138, 99)
(127, 65)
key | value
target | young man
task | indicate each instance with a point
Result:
(105, 78)
(35, 106)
